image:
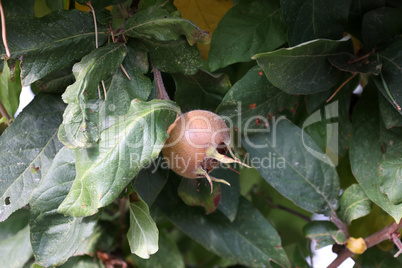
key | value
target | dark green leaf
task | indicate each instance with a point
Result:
(354, 204)
(313, 19)
(345, 62)
(381, 26)
(98, 4)
(391, 180)
(391, 74)
(155, 23)
(200, 91)
(55, 82)
(27, 148)
(324, 233)
(82, 262)
(372, 144)
(16, 250)
(79, 128)
(260, 243)
(250, 27)
(168, 255)
(10, 90)
(242, 106)
(174, 56)
(124, 148)
(55, 4)
(18, 8)
(150, 181)
(143, 234)
(51, 42)
(390, 115)
(377, 258)
(197, 192)
(289, 160)
(304, 69)
(55, 237)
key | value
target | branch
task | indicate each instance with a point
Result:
(372, 240)
(3, 31)
(341, 226)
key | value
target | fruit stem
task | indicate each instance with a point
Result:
(210, 179)
(213, 153)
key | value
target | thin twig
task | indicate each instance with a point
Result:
(4, 113)
(96, 26)
(362, 57)
(397, 242)
(3, 31)
(125, 72)
(162, 94)
(298, 214)
(372, 240)
(104, 89)
(99, 93)
(341, 86)
(341, 226)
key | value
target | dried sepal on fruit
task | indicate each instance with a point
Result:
(198, 141)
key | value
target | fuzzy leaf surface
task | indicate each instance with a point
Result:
(260, 242)
(143, 235)
(313, 19)
(304, 69)
(248, 28)
(291, 162)
(124, 148)
(55, 237)
(51, 42)
(27, 148)
(80, 128)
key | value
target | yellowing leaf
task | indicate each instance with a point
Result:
(81, 7)
(356, 245)
(206, 14)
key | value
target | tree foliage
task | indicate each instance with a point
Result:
(82, 177)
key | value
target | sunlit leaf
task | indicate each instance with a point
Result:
(10, 90)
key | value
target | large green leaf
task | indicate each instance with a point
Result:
(143, 234)
(324, 233)
(380, 26)
(372, 144)
(313, 19)
(175, 56)
(55, 82)
(250, 27)
(124, 148)
(289, 160)
(168, 255)
(18, 8)
(391, 74)
(55, 237)
(242, 106)
(51, 42)
(304, 69)
(80, 126)
(200, 91)
(391, 180)
(15, 249)
(155, 23)
(390, 115)
(10, 90)
(249, 240)
(27, 148)
(354, 204)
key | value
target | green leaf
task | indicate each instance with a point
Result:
(200, 91)
(372, 144)
(197, 192)
(55, 82)
(304, 69)
(157, 24)
(27, 148)
(243, 106)
(313, 19)
(289, 160)
(16, 250)
(98, 4)
(10, 90)
(79, 128)
(391, 177)
(391, 74)
(150, 181)
(18, 8)
(55, 4)
(250, 27)
(354, 204)
(324, 233)
(390, 115)
(124, 148)
(168, 255)
(174, 56)
(143, 234)
(380, 26)
(82, 262)
(375, 257)
(51, 42)
(344, 62)
(260, 243)
(55, 237)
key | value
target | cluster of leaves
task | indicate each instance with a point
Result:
(82, 181)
